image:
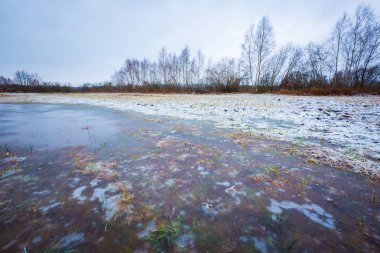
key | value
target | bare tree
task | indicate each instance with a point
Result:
(369, 50)
(316, 55)
(184, 60)
(275, 67)
(153, 73)
(295, 58)
(225, 75)
(199, 66)
(21, 77)
(162, 66)
(361, 45)
(248, 53)
(144, 71)
(24, 78)
(4, 80)
(264, 45)
(350, 56)
(336, 39)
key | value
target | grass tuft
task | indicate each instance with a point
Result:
(126, 196)
(274, 169)
(166, 233)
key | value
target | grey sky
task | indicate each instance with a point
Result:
(87, 40)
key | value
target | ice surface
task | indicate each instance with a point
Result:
(312, 211)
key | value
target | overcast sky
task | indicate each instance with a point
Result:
(88, 40)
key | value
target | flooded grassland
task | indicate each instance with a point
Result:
(83, 179)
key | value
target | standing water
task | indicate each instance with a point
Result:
(84, 179)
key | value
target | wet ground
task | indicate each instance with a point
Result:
(84, 179)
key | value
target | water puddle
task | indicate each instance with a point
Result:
(97, 180)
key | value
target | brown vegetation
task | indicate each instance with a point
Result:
(330, 91)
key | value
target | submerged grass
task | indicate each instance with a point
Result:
(53, 247)
(274, 169)
(166, 233)
(242, 138)
(58, 250)
(126, 196)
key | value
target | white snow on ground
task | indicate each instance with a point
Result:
(346, 129)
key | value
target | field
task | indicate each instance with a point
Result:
(343, 131)
(197, 173)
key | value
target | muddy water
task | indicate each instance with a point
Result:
(91, 180)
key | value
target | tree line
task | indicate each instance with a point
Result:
(348, 59)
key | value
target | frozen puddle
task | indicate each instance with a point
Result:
(312, 211)
(106, 196)
(107, 200)
(77, 194)
(99, 180)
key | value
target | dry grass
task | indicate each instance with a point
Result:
(318, 90)
(330, 91)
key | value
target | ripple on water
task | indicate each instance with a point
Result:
(202, 171)
(70, 239)
(45, 209)
(42, 193)
(226, 184)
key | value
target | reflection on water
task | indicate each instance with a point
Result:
(103, 181)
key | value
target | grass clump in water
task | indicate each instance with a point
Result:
(126, 196)
(166, 233)
(241, 138)
(275, 170)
